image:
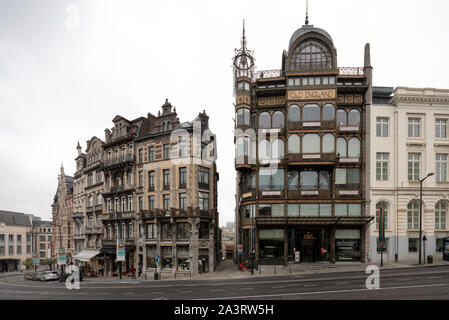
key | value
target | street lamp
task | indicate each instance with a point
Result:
(420, 214)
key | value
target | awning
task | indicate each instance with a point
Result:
(86, 255)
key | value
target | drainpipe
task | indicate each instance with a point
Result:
(396, 256)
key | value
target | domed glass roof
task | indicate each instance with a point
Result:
(307, 29)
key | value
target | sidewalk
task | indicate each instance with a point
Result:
(228, 270)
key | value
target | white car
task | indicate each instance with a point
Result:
(49, 275)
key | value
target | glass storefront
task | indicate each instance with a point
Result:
(271, 244)
(312, 244)
(182, 253)
(347, 245)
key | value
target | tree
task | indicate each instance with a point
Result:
(28, 263)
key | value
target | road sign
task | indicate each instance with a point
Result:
(36, 261)
(121, 250)
(156, 258)
(240, 249)
(61, 256)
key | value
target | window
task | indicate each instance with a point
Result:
(413, 244)
(311, 143)
(128, 177)
(277, 148)
(122, 202)
(382, 166)
(166, 201)
(183, 231)
(354, 118)
(439, 244)
(183, 202)
(151, 181)
(413, 166)
(98, 177)
(351, 210)
(342, 119)
(203, 201)
(385, 208)
(108, 205)
(140, 203)
(166, 230)
(151, 154)
(294, 144)
(166, 174)
(151, 231)
(342, 148)
(440, 128)
(440, 215)
(382, 125)
(243, 117)
(311, 56)
(308, 180)
(413, 215)
(264, 120)
(441, 166)
(140, 179)
(182, 178)
(325, 180)
(264, 150)
(293, 113)
(131, 231)
(90, 201)
(278, 119)
(347, 178)
(414, 127)
(42, 238)
(182, 149)
(271, 179)
(311, 112)
(204, 230)
(203, 177)
(140, 156)
(166, 151)
(354, 148)
(293, 180)
(151, 200)
(328, 112)
(328, 143)
(99, 199)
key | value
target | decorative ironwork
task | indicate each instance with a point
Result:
(116, 161)
(243, 62)
(262, 74)
(351, 71)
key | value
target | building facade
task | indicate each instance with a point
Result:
(42, 234)
(301, 154)
(176, 193)
(15, 240)
(62, 208)
(409, 142)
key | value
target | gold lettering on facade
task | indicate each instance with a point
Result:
(311, 94)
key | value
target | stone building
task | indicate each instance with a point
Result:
(301, 156)
(176, 194)
(410, 141)
(62, 208)
(42, 234)
(15, 240)
(119, 215)
(88, 205)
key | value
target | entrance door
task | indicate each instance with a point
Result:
(307, 250)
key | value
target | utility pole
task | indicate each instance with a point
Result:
(420, 214)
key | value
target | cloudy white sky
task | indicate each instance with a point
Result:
(63, 79)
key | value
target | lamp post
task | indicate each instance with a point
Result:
(420, 214)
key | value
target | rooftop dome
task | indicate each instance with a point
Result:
(307, 29)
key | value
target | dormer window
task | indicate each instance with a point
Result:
(311, 56)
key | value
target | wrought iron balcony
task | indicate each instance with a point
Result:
(93, 230)
(351, 71)
(263, 74)
(119, 161)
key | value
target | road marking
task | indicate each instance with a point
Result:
(324, 292)
(403, 279)
(130, 293)
(341, 283)
(310, 285)
(104, 293)
(185, 291)
(216, 290)
(280, 287)
(435, 278)
(247, 289)
(160, 298)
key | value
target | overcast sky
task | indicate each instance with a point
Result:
(68, 67)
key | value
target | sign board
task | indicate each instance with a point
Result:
(156, 258)
(240, 249)
(36, 260)
(61, 256)
(121, 250)
(297, 256)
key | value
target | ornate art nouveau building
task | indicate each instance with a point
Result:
(301, 155)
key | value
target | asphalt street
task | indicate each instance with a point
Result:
(413, 283)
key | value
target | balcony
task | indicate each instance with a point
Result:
(351, 71)
(119, 215)
(202, 185)
(94, 230)
(310, 194)
(118, 162)
(77, 215)
(315, 157)
(264, 74)
(118, 189)
(113, 243)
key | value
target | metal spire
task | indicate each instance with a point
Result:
(307, 12)
(243, 37)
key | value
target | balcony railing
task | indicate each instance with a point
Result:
(129, 158)
(262, 74)
(119, 188)
(351, 71)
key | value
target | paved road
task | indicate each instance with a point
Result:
(413, 283)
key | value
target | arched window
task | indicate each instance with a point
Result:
(341, 148)
(342, 119)
(294, 144)
(277, 149)
(293, 113)
(264, 120)
(278, 119)
(311, 143)
(311, 112)
(354, 148)
(312, 56)
(328, 112)
(168, 125)
(264, 150)
(441, 215)
(385, 206)
(98, 199)
(413, 215)
(354, 118)
(328, 143)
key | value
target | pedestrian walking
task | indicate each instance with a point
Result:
(140, 270)
(133, 272)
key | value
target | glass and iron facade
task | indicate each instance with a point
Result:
(300, 155)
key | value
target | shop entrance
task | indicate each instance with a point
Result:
(312, 245)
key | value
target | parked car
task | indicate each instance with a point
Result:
(36, 275)
(28, 275)
(49, 275)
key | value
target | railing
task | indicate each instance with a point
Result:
(262, 74)
(119, 160)
(118, 188)
(202, 185)
(351, 71)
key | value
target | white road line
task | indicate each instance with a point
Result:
(156, 292)
(185, 291)
(323, 292)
